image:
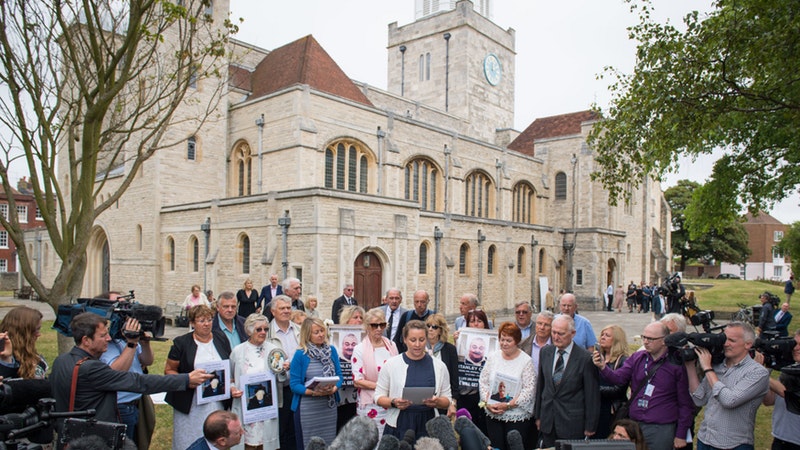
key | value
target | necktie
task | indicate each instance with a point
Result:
(389, 326)
(558, 372)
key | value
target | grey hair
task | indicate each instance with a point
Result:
(286, 284)
(372, 314)
(252, 320)
(523, 302)
(546, 314)
(473, 299)
(570, 321)
(279, 298)
(677, 319)
(747, 329)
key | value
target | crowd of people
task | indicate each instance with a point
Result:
(546, 377)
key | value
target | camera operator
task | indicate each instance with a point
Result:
(130, 353)
(731, 391)
(674, 292)
(97, 384)
(766, 320)
(785, 424)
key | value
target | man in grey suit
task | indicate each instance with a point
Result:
(393, 311)
(567, 392)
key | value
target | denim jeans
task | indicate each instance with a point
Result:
(703, 446)
(129, 415)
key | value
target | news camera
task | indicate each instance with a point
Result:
(790, 379)
(681, 346)
(777, 352)
(116, 312)
(670, 286)
(34, 424)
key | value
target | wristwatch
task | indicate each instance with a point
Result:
(393, 404)
(131, 345)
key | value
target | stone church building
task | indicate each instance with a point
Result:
(425, 185)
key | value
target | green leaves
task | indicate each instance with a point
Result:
(730, 81)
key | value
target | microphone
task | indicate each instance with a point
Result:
(428, 443)
(359, 433)
(316, 443)
(17, 394)
(407, 443)
(514, 440)
(440, 428)
(388, 442)
(465, 427)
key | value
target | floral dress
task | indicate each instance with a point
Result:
(369, 409)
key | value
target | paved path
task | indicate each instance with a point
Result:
(632, 323)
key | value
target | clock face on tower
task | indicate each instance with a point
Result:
(492, 69)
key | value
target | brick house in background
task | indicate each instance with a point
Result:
(29, 218)
(765, 261)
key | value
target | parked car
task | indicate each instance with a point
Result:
(728, 276)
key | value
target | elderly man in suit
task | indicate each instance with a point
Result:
(346, 299)
(222, 430)
(567, 392)
(393, 311)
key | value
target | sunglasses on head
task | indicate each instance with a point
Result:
(375, 326)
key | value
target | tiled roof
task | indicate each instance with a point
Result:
(548, 127)
(761, 218)
(303, 61)
(239, 77)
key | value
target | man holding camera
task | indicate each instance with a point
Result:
(661, 402)
(97, 384)
(785, 423)
(731, 391)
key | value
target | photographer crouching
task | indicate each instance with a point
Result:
(784, 394)
(731, 391)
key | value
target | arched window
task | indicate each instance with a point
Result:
(479, 195)
(523, 198)
(490, 259)
(463, 260)
(423, 258)
(244, 243)
(521, 261)
(171, 254)
(347, 167)
(423, 182)
(541, 261)
(191, 148)
(561, 186)
(243, 166)
(194, 247)
(139, 237)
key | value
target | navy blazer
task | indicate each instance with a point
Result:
(783, 325)
(266, 294)
(199, 444)
(184, 350)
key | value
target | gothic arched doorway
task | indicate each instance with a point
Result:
(98, 264)
(367, 280)
(612, 268)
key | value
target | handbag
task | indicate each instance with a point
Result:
(182, 320)
(623, 411)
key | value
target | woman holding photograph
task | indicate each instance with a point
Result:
(314, 409)
(349, 315)
(413, 369)
(503, 366)
(251, 357)
(369, 357)
(469, 397)
(201, 345)
(440, 349)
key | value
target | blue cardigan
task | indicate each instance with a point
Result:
(297, 375)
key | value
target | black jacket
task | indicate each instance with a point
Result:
(183, 350)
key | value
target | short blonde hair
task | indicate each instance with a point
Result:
(348, 312)
(305, 332)
(438, 319)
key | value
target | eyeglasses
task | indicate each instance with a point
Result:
(260, 329)
(651, 339)
(375, 326)
(433, 327)
(522, 312)
(204, 320)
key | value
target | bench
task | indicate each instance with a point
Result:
(172, 310)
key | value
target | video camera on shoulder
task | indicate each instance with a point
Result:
(116, 312)
(681, 346)
(777, 352)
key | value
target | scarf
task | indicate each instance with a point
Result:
(370, 367)
(323, 355)
(434, 352)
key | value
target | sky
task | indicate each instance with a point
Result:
(562, 46)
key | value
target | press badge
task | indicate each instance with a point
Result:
(648, 391)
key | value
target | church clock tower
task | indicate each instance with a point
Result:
(453, 58)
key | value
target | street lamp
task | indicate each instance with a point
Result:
(284, 222)
(481, 238)
(205, 227)
(534, 243)
(437, 238)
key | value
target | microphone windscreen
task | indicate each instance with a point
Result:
(428, 443)
(316, 443)
(359, 433)
(146, 312)
(440, 428)
(388, 442)
(22, 393)
(465, 426)
(403, 445)
(514, 440)
(410, 437)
